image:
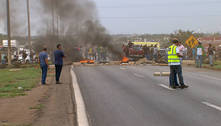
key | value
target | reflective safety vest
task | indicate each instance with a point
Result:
(173, 59)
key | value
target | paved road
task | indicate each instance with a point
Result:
(131, 96)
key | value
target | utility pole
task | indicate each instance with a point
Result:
(53, 17)
(29, 28)
(9, 32)
(58, 19)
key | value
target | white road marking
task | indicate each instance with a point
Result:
(164, 86)
(210, 77)
(82, 119)
(138, 75)
(212, 105)
(205, 76)
(123, 68)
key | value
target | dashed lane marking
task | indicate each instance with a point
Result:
(138, 75)
(212, 106)
(123, 68)
(166, 87)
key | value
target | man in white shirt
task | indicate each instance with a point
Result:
(199, 55)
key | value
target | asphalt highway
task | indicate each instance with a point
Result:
(132, 96)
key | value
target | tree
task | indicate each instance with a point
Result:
(181, 35)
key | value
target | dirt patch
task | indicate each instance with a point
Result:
(59, 107)
(51, 105)
(18, 110)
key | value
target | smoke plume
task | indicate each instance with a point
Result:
(76, 22)
(69, 22)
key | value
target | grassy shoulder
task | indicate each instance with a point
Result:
(15, 83)
(217, 65)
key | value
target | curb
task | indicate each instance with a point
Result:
(82, 119)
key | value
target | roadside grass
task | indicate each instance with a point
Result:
(217, 65)
(15, 83)
(5, 124)
(38, 107)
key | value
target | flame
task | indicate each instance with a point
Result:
(84, 61)
(87, 61)
(125, 60)
(91, 61)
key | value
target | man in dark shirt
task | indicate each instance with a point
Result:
(58, 55)
(210, 53)
(43, 60)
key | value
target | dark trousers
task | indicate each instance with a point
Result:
(58, 69)
(199, 61)
(44, 70)
(174, 70)
(175, 80)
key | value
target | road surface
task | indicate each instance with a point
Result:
(132, 96)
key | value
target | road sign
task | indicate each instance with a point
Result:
(192, 42)
(5, 43)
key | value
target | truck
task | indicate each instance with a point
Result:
(134, 50)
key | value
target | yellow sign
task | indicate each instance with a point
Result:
(192, 42)
(147, 43)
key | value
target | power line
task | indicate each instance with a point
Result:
(152, 17)
(146, 5)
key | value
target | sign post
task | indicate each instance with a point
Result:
(192, 42)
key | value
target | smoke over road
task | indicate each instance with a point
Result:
(76, 22)
(69, 22)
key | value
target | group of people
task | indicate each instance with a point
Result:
(43, 61)
(175, 54)
(98, 53)
(175, 57)
(151, 53)
(200, 52)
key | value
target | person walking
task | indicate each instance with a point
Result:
(151, 52)
(199, 55)
(175, 65)
(145, 51)
(155, 53)
(194, 53)
(43, 61)
(210, 53)
(58, 55)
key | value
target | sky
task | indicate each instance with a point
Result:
(159, 16)
(143, 16)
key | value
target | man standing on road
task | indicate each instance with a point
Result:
(58, 55)
(43, 60)
(210, 53)
(155, 53)
(175, 65)
(199, 55)
(181, 49)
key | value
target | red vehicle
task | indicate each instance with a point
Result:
(136, 51)
(133, 52)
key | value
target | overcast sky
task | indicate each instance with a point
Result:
(146, 16)
(159, 16)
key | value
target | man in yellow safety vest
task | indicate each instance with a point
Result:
(175, 65)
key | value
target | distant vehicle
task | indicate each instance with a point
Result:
(148, 44)
(28, 59)
(21, 60)
(133, 52)
(163, 52)
(136, 51)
